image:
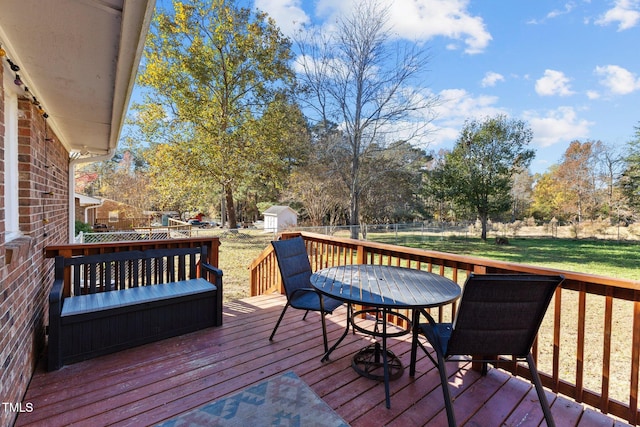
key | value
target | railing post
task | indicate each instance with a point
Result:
(635, 362)
(361, 257)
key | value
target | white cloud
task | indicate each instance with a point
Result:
(618, 80)
(491, 78)
(456, 106)
(568, 7)
(417, 20)
(425, 19)
(288, 14)
(625, 12)
(559, 125)
(553, 83)
(592, 94)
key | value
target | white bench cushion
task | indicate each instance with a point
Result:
(81, 304)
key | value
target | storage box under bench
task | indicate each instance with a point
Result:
(92, 324)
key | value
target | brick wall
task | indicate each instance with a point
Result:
(25, 276)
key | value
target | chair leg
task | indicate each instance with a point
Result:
(278, 322)
(540, 390)
(444, 380)
(305, 315)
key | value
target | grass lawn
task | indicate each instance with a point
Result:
(602, 257)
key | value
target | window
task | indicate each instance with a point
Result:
(113, 216)
(12, 223)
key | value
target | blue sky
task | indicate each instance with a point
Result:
(570, 69)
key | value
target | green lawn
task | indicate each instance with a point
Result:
(602, 257)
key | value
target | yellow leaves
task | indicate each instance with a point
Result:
(214, 66)
(183, 16)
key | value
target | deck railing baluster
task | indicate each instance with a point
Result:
(613, 291)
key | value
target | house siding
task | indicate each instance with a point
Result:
(25, 276)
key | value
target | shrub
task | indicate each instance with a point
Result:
(82, 227)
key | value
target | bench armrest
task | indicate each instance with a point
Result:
(207, 270)
(55, 310)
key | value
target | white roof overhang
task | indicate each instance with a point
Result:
(79, 58)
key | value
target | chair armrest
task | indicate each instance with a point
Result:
(438, 345)
(426, 314)
(306, 290)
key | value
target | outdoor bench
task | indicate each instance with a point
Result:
(124, 299)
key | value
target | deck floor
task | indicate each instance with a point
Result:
(155, 382)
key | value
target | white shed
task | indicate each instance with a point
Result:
(278, 218)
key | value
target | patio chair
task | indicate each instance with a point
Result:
(499, 315)
(295, 270)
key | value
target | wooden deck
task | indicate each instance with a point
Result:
(155, 382)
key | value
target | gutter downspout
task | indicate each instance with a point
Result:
(86, 210)
(72, 187)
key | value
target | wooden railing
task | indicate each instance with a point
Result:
(69, 250)
(588, 347)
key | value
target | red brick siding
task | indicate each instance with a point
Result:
(25, 276)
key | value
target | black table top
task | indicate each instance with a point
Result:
(385, 286)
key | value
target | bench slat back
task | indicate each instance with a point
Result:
(130, 269)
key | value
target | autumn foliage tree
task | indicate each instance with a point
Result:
(214, 69)
(579, 179)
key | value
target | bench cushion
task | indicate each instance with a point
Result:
(81, 304)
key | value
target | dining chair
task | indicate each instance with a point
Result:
(498, 315)
(295, 270)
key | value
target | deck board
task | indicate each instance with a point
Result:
(155, 382)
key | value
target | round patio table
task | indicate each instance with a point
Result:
(385, 289)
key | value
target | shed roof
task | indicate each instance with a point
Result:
(276, 210)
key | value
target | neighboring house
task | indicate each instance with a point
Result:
(278, 218)
(121, 216)
(67, 69)
(86, 207)
(111, 213)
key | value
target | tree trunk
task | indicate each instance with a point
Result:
(354, 212)
(483, 221)
(354, 194)
(231, 209)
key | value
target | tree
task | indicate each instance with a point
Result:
(612, 167)
(547, 196)
(315, 188)
(630, 178)
(318, 181)
(395, 197)
(356, 77)
(479, 171)
(123, 178)
(521, 194)
(578, 174)
(174, 188)
(435, 189)
(215, 69)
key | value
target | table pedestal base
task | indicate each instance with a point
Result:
(369, 363)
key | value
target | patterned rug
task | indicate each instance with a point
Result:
(284, 400)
